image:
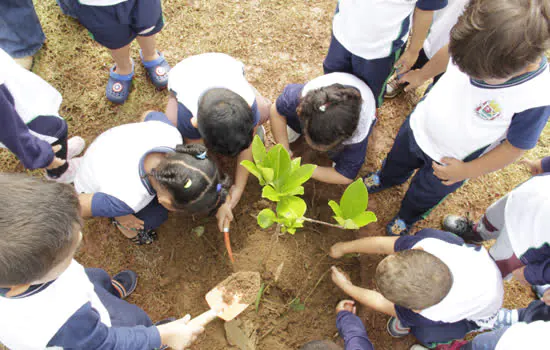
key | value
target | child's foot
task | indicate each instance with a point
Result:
(124, 283)
(463, 227)
(393, 88)
(68, 176)
(118, 86)
(396, 328)
(157, 70)
(373, 183)
(506, 318)
(75, 146)
(397, 227)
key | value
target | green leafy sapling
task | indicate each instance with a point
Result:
(352, 212)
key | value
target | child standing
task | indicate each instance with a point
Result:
(31, 126)
(426, 284)
(135, 173)
(50, 300)
(213, 103)
(115, 24)
(368, 36)
(482, 115)
(336, 113)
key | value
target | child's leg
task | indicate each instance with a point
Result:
(338, 58)
(535, 311)
(153, 215)
(490, 224)
(430, 336)
(148, 45)
(123, 62)
(56, 129)
(375, 73)
(504, 256)
(122, 313)
(485, 341)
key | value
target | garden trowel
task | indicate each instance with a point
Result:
(230, 297)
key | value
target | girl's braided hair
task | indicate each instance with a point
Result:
(192, 179)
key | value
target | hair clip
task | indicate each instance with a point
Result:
(188, 184)
(323, 107)
(218, 188)
(201, 155)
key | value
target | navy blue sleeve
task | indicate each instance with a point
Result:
(108, 206)
(256, 113)
(186, 129)
(287, 104)
(158, 116)
(349, 161)
(538, 273)
(431, 5)
(15, 135)
(545, 162)
(410, 318)
(84, 330)
(407, 242)
(526, 127)
(353, 331)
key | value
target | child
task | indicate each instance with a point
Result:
(336, 113)
(437, 39)
(519, 223)
(213, 103)
(426, 284)
(31, 126)
(115, 24)
(136, 172)
(482, 115)
(50, 300)
(368, 36)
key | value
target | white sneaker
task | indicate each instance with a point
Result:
(418, 347)
(70, 174)
(75, 146)
(292, 135)
(393, 88)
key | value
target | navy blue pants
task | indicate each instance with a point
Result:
(430, 336)
(57, 128)
(536, 311)
(426, 190)
(374, 73)
(153, 215)
(20, 30)
(122, 313)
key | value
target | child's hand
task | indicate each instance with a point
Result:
(224, 215)
(405, 62)
(519, 275)
(546, 297)
(346, 305)
(339, 278)
(452, 171)
(414, 78)
(336, 251)
(534, 166)
(130, 222)
(178, 335)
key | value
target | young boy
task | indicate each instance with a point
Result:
(47, 298)
(368, 36)
(483, 114)
(31, 126)
(213, 103)
(426, 284)
(115, 24)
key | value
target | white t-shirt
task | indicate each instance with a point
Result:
(29, 323)
(369, 28)
(443, 22)
(477, 292)
(101, 2)
(112, 162)
(368, 107)
(532, 336)
(193, 76)
(460, 116)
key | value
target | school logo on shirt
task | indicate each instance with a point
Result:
(488, 110)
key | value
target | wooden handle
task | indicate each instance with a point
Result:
(204, 318)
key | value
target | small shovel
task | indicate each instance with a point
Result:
(230, 297)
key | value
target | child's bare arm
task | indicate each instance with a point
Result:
(435, 66)
(367, 245)
(278, 127)
(330, 175)
(85, 200)
(455, 170)
(422, 20)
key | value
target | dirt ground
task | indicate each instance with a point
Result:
(280, 42)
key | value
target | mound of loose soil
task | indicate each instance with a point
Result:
(244, 284)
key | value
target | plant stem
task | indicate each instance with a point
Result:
(321, 222)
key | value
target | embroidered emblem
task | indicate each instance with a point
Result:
(160, 71)
(117, 87)
(488, 110)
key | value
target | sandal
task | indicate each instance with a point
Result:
(157, 70)
(119, 86)
(397, 227)
(373, 183)
(124, 282)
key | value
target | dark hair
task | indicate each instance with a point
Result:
(414, 279)
(320, 345)
(192, 179)
(330, 115)
(225, 121)
(39, 220)
(497, 39)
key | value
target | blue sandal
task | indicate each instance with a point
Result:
(397, 227)
(118, 86)
(157, 70)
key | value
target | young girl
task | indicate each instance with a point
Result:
(135, 173)
(335, 112)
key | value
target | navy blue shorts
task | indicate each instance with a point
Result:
(117, 26)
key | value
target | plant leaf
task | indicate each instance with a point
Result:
(354, 200)
(266, 218)
(335, 208)
(291, 208)
(267, 174)
(278, 159)
(296, 305)
(349, 224)
(294, 192)
(364, 219)
(269, 193)
(298, 177)
(259, 297)
(341, 221)
(258, 150)
(295, 163)
(253, 169)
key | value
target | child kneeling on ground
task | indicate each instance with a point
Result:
(432, 284)
(47, 299)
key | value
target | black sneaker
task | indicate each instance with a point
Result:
(463, 227)
(125, 283)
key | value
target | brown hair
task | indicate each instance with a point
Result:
(414, 279)
(499, 38)
(39, 220)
